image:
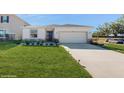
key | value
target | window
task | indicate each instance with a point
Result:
(33, 33)
(2, 33)
(4, 19)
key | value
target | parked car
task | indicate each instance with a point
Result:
(116, 41)
(112, 40)
(120, 41)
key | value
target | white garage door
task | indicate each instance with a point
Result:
(72, 37)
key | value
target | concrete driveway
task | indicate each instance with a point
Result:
(99, 62)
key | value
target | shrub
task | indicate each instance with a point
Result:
(33, 42)
(40, 42)
(17, 41)
(55, 40)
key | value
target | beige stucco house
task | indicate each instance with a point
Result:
(11, 27)
(68, 33)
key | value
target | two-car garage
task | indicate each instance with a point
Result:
(73, 37)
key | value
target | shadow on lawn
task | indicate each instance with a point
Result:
(7, 45)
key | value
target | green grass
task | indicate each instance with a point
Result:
(115, 47)
(37, 61)
(6, 45)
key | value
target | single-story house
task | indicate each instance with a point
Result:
(68, 33)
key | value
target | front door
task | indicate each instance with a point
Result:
(49, 35)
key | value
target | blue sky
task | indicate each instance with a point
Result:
(81, 19)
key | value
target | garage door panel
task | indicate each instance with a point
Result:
(72, 37)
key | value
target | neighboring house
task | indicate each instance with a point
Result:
(11, 27)
(67, 33)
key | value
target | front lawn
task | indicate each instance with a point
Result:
(7, 45)
(115, 47)
(37, 61)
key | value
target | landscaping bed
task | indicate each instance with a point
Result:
(38, 61)
(39, 42)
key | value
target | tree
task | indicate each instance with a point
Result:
(114, 28)
(104, 29)
(97, 34)
(121, 20)
(121, 28)
(117, 28)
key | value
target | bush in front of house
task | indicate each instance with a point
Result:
(55, 40)
(32, 42)
(15, 41)
(25, 42)
(40, 42)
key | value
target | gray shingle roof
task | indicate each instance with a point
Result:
(56, 25)
(68, 25)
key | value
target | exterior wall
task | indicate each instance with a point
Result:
(41, 33)
(89, 36)
(26, 34)
(15, 25)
